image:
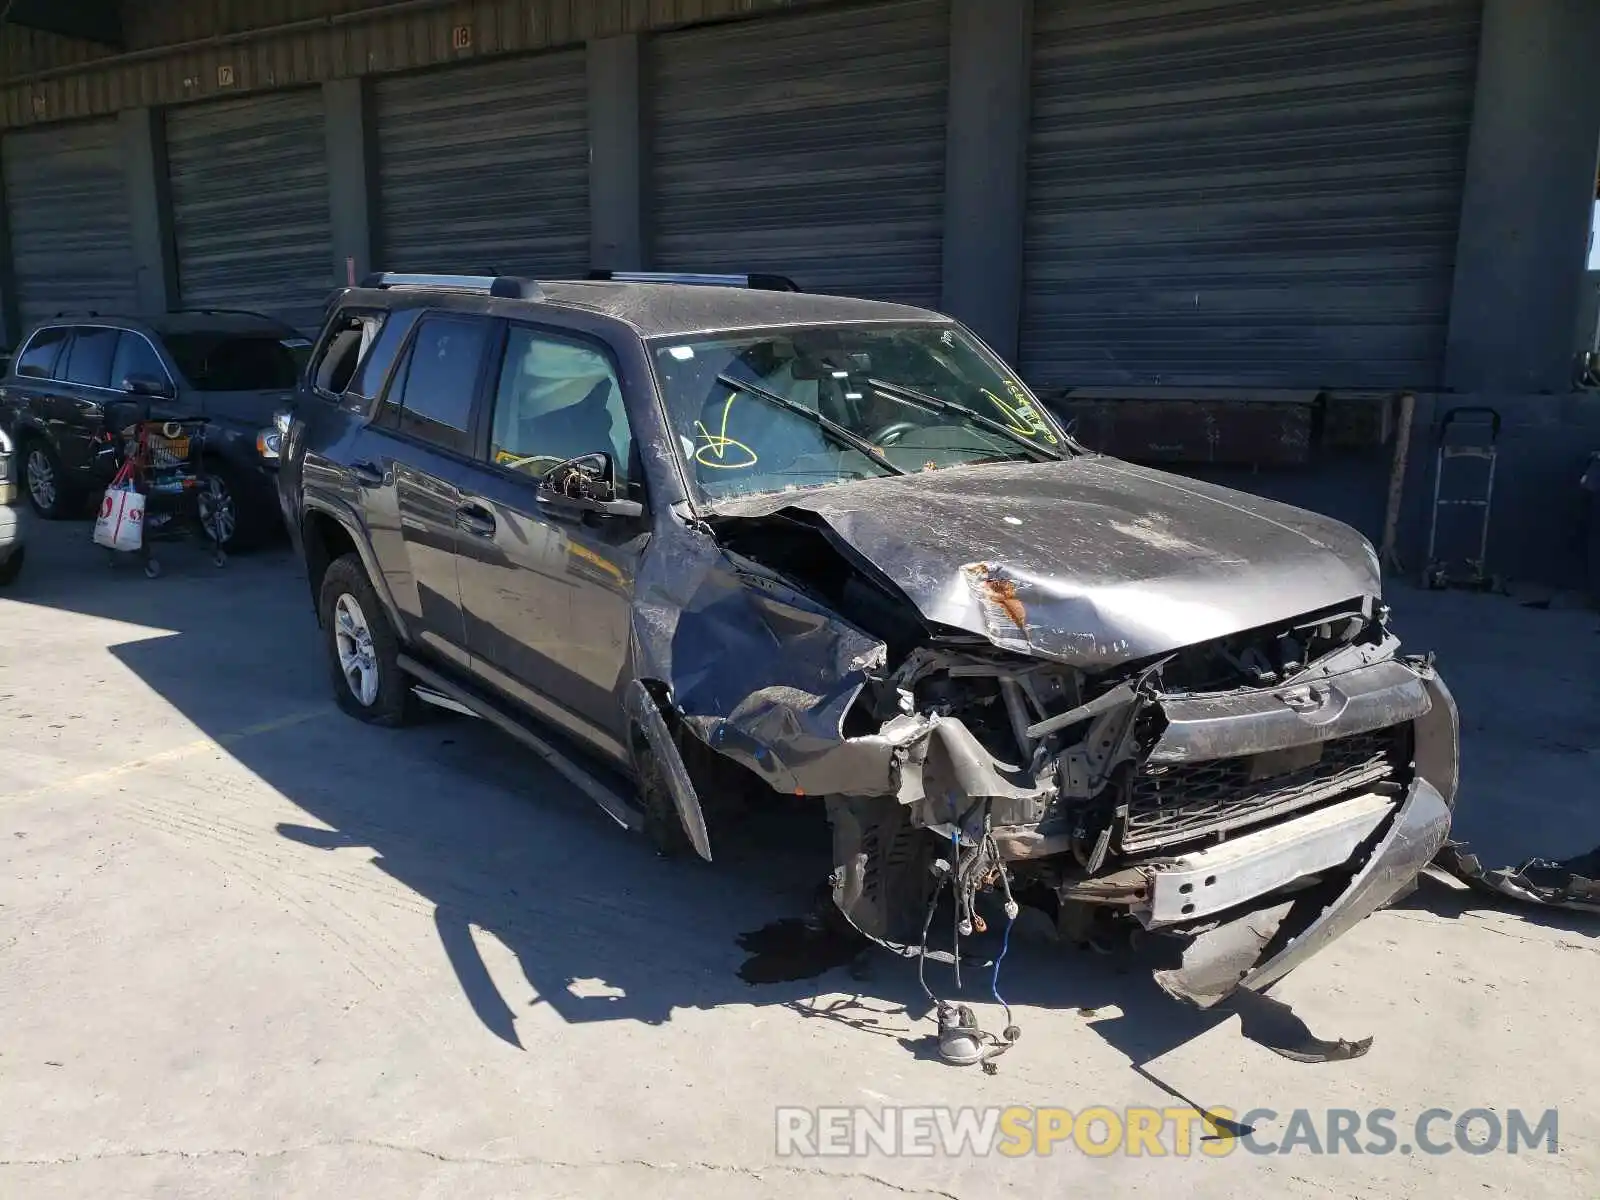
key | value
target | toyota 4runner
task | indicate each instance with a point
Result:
(738, 542)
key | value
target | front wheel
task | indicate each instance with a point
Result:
(223, 513)
(363, 651)
(12, 567)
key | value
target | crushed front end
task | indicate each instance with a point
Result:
(1257, 794)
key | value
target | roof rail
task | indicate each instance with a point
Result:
(510, 287)
(760, 282)
(228, 312)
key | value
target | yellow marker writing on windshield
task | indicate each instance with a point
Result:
(1021, 417)
(717, 445)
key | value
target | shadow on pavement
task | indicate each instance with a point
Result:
(493, 841)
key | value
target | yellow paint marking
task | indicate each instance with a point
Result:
(198, 746)
(717, 445)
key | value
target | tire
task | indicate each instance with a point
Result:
(12, 567)
(45, 479)
(363, 651)
(243, 526)
(663, 828)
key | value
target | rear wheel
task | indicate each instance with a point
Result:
(48, 491)
(12, 567)
(363, 651)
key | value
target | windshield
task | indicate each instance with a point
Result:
(829, 404)
(233, 362)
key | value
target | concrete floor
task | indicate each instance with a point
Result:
(249, 947)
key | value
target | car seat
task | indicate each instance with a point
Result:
(574, 429)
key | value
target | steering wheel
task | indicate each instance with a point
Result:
(892, 432)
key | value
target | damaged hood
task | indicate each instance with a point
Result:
(1089, 561)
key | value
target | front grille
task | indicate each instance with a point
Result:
(1171, 805)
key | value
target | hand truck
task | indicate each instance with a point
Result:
(1474, 439)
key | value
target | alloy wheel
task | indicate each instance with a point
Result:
(358, 660)
(218, 514)
(41, 479)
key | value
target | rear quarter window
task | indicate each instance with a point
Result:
(38, 357)
(353, 355)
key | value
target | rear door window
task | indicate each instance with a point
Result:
(234, 362)
(89, 357)
(136, 357)
(38, 361)
(433, 393)
(367, 382)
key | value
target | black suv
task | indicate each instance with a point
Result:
(740, 544)
(237, 370)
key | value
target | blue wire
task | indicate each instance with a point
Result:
(994, 981)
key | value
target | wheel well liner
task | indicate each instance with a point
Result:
(325, 539)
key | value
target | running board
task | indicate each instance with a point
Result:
(440, 700)
(460, 699)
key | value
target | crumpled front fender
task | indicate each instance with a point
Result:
(1261, 947)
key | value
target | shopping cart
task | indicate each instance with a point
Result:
(161, 460)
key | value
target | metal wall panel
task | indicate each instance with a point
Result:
(71, 241)
(811, 145)
(485, 168)
(220, 49)
(250, 205)
(1245, 191)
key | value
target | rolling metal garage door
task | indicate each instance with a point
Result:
(71, 240)
(250, 205)
(1245, 191)
(485, 169)
(810, 145)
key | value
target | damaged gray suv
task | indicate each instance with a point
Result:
(703, 544)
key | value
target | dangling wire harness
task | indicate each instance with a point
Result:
(961, 1040)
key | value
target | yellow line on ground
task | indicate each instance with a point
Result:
(198, 746)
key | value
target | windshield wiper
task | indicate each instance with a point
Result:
(940, 404)
(832, 428)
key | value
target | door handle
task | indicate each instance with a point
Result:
(476, 520)
(367, 474)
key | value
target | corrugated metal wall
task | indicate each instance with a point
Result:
(71, 238)
(811, 145)
(1245, 191)
(281, 43)
(485, 168)
(250, 205)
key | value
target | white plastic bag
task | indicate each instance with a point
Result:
(120, 525)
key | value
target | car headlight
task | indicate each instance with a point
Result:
(269, 442)
(8, 470)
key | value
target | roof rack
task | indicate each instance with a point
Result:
(228, 312)
(759, 282)
(510, 287)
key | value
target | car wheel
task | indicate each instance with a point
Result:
(363, 651)
(12, 567)
(48, 490)
(663, 828)
(224, 515)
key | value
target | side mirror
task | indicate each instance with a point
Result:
(147, 385)
(586, 484)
